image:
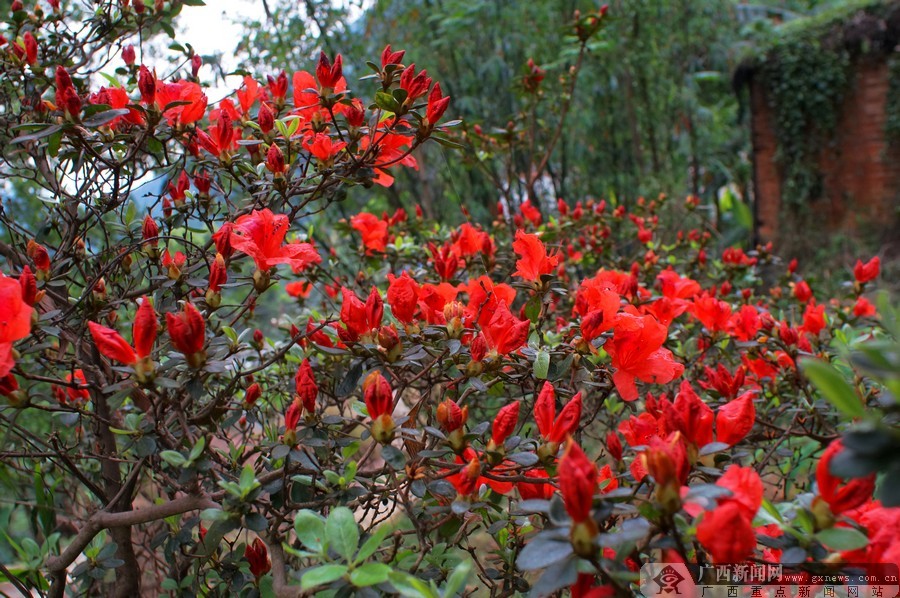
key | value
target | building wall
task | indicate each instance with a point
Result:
(860, 169)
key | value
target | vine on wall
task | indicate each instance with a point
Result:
(892, 122)
(806, 71)
(806, 84)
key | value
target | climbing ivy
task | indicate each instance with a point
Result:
(805, 69)
(892, 109)
(806, 84)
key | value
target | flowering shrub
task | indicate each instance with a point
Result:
(547, 402)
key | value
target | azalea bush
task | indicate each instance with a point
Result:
(217, 380)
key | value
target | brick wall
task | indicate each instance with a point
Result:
(860, 170)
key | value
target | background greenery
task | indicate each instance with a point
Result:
(654, 111)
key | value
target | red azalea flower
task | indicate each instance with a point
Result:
(437, 105)
(485, 297)
(265, 118)
(536, 490)
(187, 330)
(251, 395)
(584, 588)
(735, 419)
(746, 488)
(531, 213)
(15, 321)
(446, 262)
(468, 480)
(802, 292)
(390, 151)
(275, 160)
(863, 308)
(218, 274)
(147, 85)
(868, 271)
(726, 532)
(470, 241)
(666, 460)
(534, 261)
(388, 56)
(260, 235)
(614, 445)
(813, 318)
(360, 318)
(711, 312)
(193, 108)
(638, 430)
(78, 393)
(277, 87)
(15, 313)
(329, 74)
(222, 239)
(111, 344)
(403, 297)
(38, 254)
(841, 496)
(258, 557)
(450, 416)
(636, 352)
(696, 416)
(150, 232)
(577, 482)
(675, 286)
(504, 332)
(415, 85)
(552, 428)
(504, 423)
(305, 386)
(606, 475)
(299, 288)
(378, 395)
(8, 385)
(722, 381)
(306, 97)
(744, 324)
(292, 419)
(322, 147)
(248, 94)
(374, 231)
(28, 284)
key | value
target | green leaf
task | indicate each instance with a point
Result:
(457, 580)
(322, 575)
(832, 384)
(310, 529)
(842, 538)
(541, 364)
(173, 458)
(386, 101)
(411, 587)
(255, 522)
(46, 132)
(248, 481)
(197, 450)
(214, 515)
(342, 533)
(393, 457)
(373, 542)
(370, 574)
(105, 117)
(543, 550)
